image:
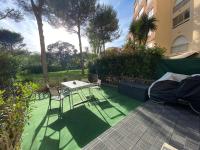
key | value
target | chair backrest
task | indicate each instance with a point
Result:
(53, 90)
(99, 82)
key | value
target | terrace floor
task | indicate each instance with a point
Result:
(77, 127)
(149, 127)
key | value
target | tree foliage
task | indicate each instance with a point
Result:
(140, 29)
(10, 13)
(8, 68)
(60, 52)
(103, 27)
(11, 40)
(61, 47)
(74, 15)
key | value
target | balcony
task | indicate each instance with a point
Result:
(180, 5)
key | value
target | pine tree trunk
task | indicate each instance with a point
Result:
(81, 51)
(42, 45)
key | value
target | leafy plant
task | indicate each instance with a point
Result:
(139, 29)
(8, 69)
(14, 112)
(140, 64)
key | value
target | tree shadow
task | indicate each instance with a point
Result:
(49, 144)
(46, 140)
(83, 125)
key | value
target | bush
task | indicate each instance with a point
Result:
(8, 69)
(129, 47)
(37, 69)
(14, 112)
(139, 64)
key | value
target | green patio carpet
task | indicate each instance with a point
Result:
(77, 127)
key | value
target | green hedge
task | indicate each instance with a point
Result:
(140, 64)
(37, 69)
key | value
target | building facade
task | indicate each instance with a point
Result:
(178, 25)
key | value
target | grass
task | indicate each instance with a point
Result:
(56, 76)
(77, 127)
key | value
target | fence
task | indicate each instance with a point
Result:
(182, 66)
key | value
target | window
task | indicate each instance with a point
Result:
(151, 13)
(178, 2)
(180, 44)
(141, 11)
(182, 18)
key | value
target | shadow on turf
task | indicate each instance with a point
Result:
(48, 114)
(83, 125)
(120, 99)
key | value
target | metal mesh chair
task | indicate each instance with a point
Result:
(56, 94)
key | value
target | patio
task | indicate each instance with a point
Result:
(78, 126)
(149, 127)
(113, 122)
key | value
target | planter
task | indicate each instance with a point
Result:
(92, 78)
(135, 90)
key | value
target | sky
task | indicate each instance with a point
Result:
(28, 27)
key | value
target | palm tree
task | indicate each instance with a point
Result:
(139, 29)
(133, 31)
(146, 25)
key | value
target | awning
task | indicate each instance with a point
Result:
(185, 55)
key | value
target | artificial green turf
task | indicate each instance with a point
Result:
(76, 127)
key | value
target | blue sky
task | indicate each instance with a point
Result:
(28, 27)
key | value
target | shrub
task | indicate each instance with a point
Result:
(14, 112)
(130, 46)
(8, 69)
(37, 69)
(140, 64)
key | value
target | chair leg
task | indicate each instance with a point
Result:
(50, 104)
(62, 105)
(70, 101)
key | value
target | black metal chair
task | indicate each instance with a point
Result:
(55, 93)
(96, 82)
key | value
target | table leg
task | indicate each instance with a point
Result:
(70, 100)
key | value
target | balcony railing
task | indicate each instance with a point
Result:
(180, 5)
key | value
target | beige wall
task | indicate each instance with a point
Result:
(190, 29)
(196, 25)
(184, 29)
(163, 15)
(165, 34)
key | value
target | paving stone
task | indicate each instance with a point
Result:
(191, 144)
(149, 127)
